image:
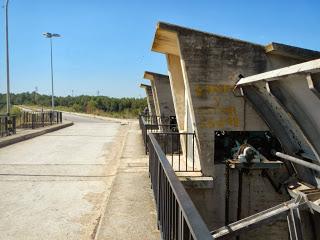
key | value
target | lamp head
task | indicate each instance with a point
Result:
(51, 35)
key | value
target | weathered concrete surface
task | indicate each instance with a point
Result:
(25, 134)
(130, 212)
(55, 186)
(203, 70)
(162, 93)
(150, 99)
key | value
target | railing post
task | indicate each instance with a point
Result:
(33, 116)
(42, 119)
(6, 125)
(146, 139)
(14, 124)
(51, 116)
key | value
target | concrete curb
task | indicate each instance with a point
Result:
(15, 139)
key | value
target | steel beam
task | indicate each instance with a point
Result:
(257, 220)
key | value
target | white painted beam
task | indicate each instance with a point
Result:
(306, 67)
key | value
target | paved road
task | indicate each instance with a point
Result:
(55, 186)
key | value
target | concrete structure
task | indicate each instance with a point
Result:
(150, 99)
(291, 99)
(203, 70)
(161, 93)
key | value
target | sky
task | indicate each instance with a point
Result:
(106, 45)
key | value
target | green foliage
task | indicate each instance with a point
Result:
(114, 107)
(15, 111)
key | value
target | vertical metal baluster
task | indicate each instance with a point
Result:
(179, 151)
(161, 201)
(193, 151)
(166, 144)
(166, 209)
(171, 134)
(180, 228)
(186, 152)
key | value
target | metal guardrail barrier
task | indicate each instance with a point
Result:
(178, 218)
(171, 145)
(180, 146)
(7, 125)
(39, 119)
(154, 124)
(151, 119)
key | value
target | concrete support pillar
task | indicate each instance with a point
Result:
(162, 93)
(150, 99)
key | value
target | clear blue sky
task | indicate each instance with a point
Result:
(106, 44)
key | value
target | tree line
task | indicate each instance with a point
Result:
(119, 107)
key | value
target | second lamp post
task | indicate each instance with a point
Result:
(51, 35)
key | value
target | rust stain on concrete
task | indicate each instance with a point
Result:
(202, 90)
(222, 117)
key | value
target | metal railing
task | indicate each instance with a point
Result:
(177, 216)
(152, 119)
(150, 124)
(39, 119)
(7, 125)
(179, 149)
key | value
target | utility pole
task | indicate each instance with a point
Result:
(7, 56)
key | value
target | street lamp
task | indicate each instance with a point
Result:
(51, 35)
(7, 56)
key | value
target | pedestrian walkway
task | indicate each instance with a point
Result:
(130, 210)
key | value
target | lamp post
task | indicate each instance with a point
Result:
(7, 56)
(51, 35)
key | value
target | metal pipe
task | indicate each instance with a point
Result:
(297, 161)
(7, 57)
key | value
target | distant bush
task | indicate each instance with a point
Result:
(116, 107)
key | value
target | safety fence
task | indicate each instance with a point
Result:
(155, 124)
(38, 119)
(179, 149)
(177, 218)
(27, 119)
(7, 125)
(178, 146)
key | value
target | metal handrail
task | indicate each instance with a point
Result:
(178, 218)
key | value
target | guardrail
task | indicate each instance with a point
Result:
(39, 119)
(150, 124)
(179, 148)
(177, 218)
(152, 119)
(7, 125)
